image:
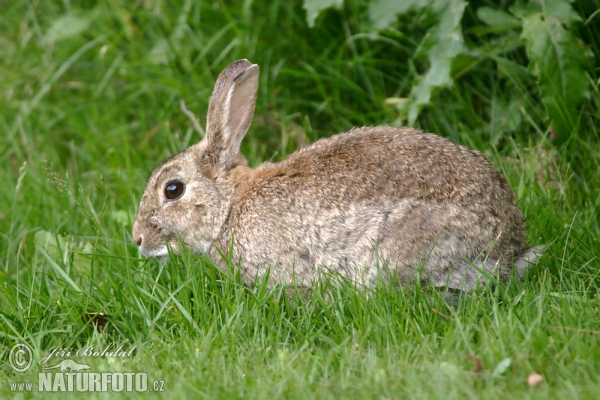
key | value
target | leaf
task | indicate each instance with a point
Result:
(121, 217)
(521, 188)
(314, 7)
(66, 27)
(449, 370)
(383, 12)
(561, 10)
(559, 62)
(521, 10)
(512, 70)
(52, 243)
(160, 52)
(491, 16)
(444, 42)
(502, 367)
(60, 271)
(504, 117)
(54, 246)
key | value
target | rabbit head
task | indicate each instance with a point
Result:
(188, 197)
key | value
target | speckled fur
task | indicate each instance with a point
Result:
(372, 198)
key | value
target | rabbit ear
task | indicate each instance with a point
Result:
(230, 112)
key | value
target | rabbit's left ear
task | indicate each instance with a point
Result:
(230, 112)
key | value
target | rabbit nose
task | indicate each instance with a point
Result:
(137, 235)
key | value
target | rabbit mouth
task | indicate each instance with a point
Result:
(161, 253)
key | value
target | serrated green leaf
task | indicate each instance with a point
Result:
(561, 10)
(491, 16)
(443, 42)
(559, 62)
(383, 12)
(314, 7)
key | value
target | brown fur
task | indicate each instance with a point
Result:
(370, 198)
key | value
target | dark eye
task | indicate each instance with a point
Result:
(174, 190)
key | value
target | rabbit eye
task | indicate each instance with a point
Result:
(174, 190)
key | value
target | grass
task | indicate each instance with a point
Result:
(89, 104)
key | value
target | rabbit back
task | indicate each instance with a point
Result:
(372, 197)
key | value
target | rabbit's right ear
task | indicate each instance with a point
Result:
(230, 113)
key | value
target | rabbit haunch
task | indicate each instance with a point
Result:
(372, 199)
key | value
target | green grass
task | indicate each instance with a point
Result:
(85, 118)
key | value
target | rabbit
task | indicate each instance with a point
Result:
(371, 200)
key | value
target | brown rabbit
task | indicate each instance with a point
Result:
(358, 202)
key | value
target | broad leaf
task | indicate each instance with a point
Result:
(443, 43)
(502, 367)
(558, 61)
(66, 27)
(383, 12)
(314, 7)
(61, 250)
(496, 17)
